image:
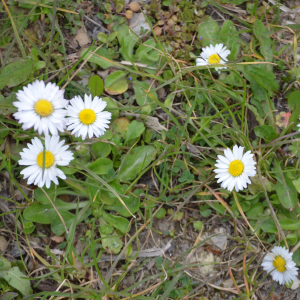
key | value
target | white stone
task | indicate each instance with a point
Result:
(137, 22)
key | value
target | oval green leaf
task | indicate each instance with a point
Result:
(15, 73)
(101, 166)
(116, 83)
(96, 85)
(137, 160)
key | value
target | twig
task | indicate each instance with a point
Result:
(152, 252)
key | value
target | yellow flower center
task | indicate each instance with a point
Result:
(236, 168)
(87, 116)
(279, 263)
(214, 59)
(49, 159)
(43, 107)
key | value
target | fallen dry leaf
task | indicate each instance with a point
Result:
(3, 244)
(57, 239)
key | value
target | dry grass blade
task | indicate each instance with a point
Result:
(13, 24)
(47, 6)
(61, 218)
(245, 218)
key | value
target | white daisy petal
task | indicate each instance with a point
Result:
(56, 154)
(86, 117)
(213, 55)
(234, 169)
(280, 265)
(38, 103)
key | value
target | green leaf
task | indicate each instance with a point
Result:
(142, 98)
(127, 41)
(235, 2)
(111, 244)
(256, 185)
(146, 53)
(232, 78)
(44, 213)
(40, 213)
(29, 227)
(292, 238)
(161, 213)
(112, 36)
(6, 106)
(9, 296)
(52, 192)
(205, 213)
(120, 126)
(114, 77)
(102, 37)
(101, 149)
(99, 195)
(267, 132)
(96, 85)
(15, 73)
(256, 113)
(286, 191)
(269, 226)
(108, 197)
(4, 264)
(116, 83)
(266, 79)
(39, 65)
(265, 42)
(293, 104)
(14, 278)
(209, 31)
(101, 57)
(145, 47)
(296, 256)
(135, 161)
(295, 149)
(178, 216)
(255, 210)
(58, 227)
(118, 222)
(105, 228)
(167, 2)
(297, 184)
(113, 107)
(101, 166)
(127, 47)
(132, 203)
(263, 83)
(198, 225)
(289, 224)
(229, 36)
(135, 130)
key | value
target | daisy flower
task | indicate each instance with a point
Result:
(87, 117)
(55, 155)
(42, 107)
(213, 55)
(235, 168)
(280, 265)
